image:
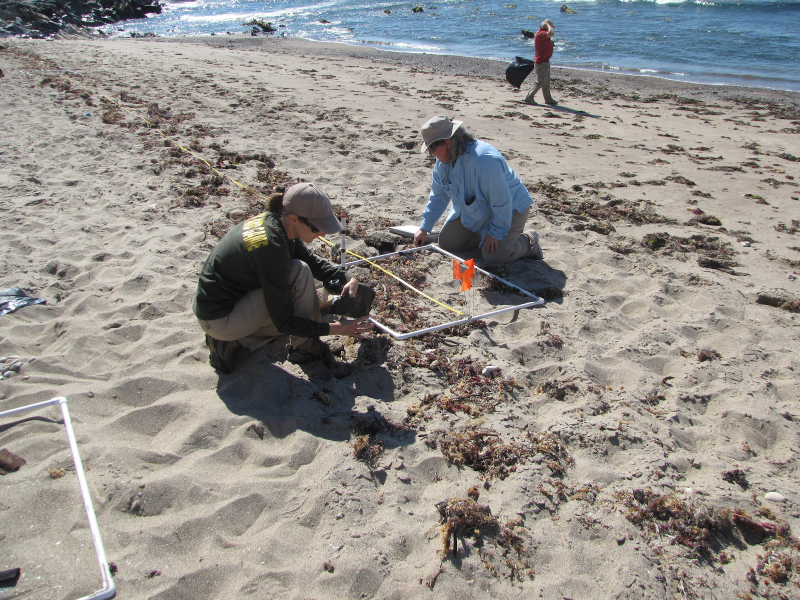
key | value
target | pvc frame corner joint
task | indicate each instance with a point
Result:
(535, 300)
(109, 589)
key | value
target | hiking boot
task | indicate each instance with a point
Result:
(221, 354)
(312, 349)
(354, 307)
(534, 249)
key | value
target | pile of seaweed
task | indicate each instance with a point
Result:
(592, 215)
(508, 554)
(706, 534)
(714, 253)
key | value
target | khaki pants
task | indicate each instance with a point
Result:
(454, 237)
(542, 83)
(250, 317)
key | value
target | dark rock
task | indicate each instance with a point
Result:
(44, 18)
(527, 33)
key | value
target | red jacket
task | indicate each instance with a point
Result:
(543, 44)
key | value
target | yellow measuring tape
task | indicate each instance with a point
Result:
(244, 187)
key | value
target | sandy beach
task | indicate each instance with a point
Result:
(623, 446)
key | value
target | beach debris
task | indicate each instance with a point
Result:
(463, 517)
(367, 450)
(558, 202)
(328, 566)
(758, 199)
(791, 229)
(153, 573)
(719, 265)
(680, 179)
(715, 253)
(736, 476)
(56, 473)
(687, 524)
(483, 450)
(703, 219)
(774, 497)
(706, 355)
(653, 397)
(507, 554)
(431, 581)
(491, 371)
(558, 390)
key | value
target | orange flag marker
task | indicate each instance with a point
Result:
(466, 276)
(456, 269)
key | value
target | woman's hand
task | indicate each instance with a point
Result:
(490, 244)
(354, 328)
(350, 288)
(420, 237)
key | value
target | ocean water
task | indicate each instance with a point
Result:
(749, 43)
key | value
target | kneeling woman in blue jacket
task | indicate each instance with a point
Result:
(490, 205)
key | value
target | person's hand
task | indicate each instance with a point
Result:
(353, 327)
(350, 288)
(420, 237)
(490, 244)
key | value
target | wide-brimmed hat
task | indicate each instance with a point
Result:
(307, 200)
(438, 128)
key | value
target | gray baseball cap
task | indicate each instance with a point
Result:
(309, 201)
(438, 128)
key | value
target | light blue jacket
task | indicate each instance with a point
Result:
(483, 189)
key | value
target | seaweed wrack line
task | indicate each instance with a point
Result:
(256, 193)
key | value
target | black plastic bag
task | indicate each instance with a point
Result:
(13, 298)
(518, 70)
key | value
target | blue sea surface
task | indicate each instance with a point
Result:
(748, 43)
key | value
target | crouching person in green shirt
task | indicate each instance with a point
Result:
(259, 281)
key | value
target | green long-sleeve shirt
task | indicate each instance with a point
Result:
(257, 254)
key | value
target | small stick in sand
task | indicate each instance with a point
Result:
(432, 581)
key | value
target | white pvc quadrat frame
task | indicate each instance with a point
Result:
(536, 300)
(109, 589)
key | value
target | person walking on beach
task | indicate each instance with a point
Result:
(490, 205)
(259, 281)
(543, 45)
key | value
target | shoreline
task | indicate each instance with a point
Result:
(451, 64)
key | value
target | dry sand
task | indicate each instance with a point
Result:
(615, 434)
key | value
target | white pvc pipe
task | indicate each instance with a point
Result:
(404, 336)
(343, 249)
(109, 589)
